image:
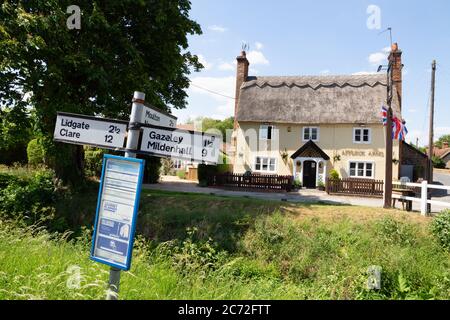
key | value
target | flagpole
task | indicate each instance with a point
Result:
(389, 142)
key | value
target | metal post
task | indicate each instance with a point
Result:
(114, 284)
(135, 117)
(132, 144)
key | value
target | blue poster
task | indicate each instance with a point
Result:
(117, 207)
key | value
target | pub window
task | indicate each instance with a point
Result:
(265, 164)
(361, 170)
(362, 135)
(266, 132)
(310, 134)
(177, 164)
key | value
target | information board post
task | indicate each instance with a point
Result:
(132, 144)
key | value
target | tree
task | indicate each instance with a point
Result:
(221, 125)
(15, 133)
(121, 47)
(438, 163)
(445, 138)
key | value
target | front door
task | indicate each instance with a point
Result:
(309, 174)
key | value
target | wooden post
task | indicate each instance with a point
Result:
(431, 129)
(389, 142)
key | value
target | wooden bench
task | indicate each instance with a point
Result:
(404, 193)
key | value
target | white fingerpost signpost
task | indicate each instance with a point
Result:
(151, 116)
(121, 180)
(179, 144)
(93, 131)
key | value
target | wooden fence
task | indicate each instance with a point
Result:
(360, 187)
(256, 182)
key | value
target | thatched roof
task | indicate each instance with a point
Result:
(314, 99)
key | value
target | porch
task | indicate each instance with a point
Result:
(310, 165)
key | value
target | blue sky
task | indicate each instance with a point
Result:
(299, 37)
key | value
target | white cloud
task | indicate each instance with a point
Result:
(441, 131)
(253, 71)
(386, 50)
(259, 46)
(412, 110)
(217, 28)
(206, 64)
(325, 72)
(215, 88)
(257, 58)
(413, 135)
(224, 86)
(225, 66)
(378, 58)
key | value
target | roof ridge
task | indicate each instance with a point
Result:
(246, 85)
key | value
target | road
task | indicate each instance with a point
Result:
(169, 183)
(442, 178)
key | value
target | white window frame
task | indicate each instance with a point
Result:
(178, 164)
(365, 169)
(268, 164)
(362, 135)
(265, 127)
(310, 134)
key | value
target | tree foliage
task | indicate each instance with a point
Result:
(440, 142)
(15, 132)
(121, 47)
(209, 123)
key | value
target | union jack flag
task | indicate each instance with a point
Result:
(384, 115)
(403, 132)
(399, 130)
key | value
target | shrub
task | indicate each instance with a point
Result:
(438, 163)
(205, 172)
(181, 174)
(440, 228)
(31, 199)
(93, 161)
(297, 184)
(334, 175)
(35, 152)
(167, 168)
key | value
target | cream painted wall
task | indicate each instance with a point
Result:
(334, 140)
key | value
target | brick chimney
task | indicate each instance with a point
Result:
(395, 57)
(241, 77)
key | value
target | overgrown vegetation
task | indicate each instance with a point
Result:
(441, 228)
(208, 247)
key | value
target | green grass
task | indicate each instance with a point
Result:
(209, 247)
